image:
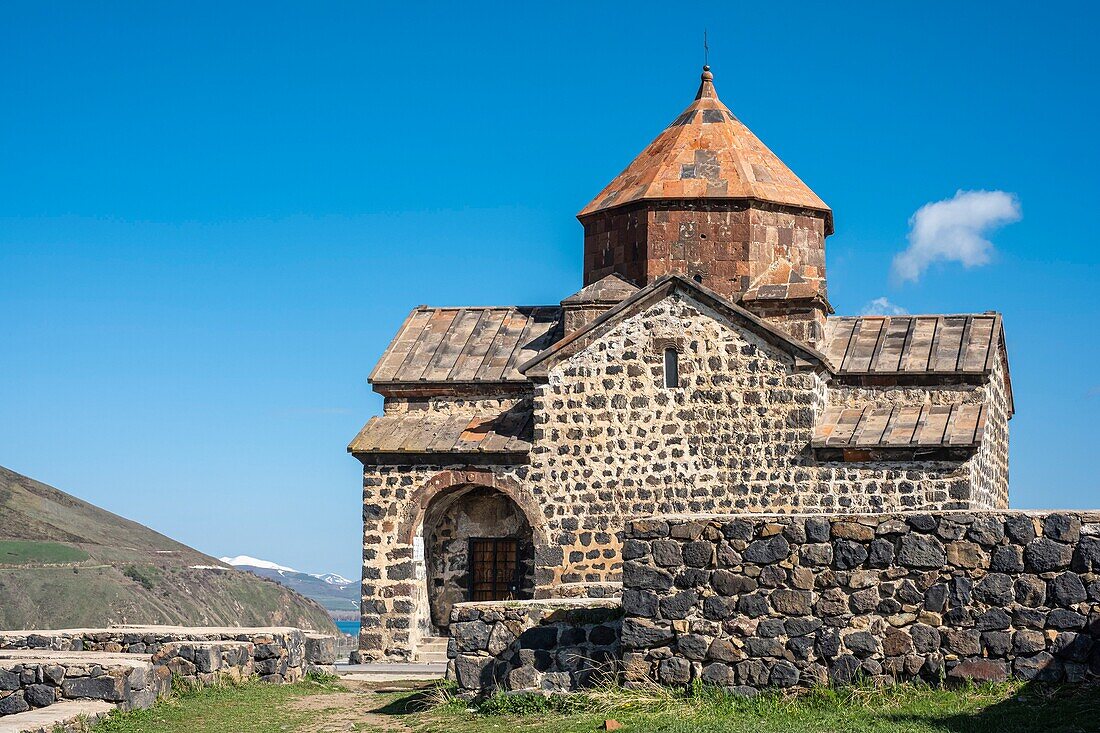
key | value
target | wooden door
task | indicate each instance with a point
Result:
(493, 568)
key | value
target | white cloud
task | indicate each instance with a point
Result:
(882, 307)
(953, 230)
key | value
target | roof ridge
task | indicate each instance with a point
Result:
(988, 314)
(483, 307)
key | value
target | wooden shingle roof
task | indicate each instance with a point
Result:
(417, 432)
(902, 426)
(928, 345)
(464, 345)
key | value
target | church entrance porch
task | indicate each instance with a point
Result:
(476, 545)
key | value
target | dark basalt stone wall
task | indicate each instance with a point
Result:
(754, 601)
(551, 645)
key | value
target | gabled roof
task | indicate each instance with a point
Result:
(439, 347)
(654, 293)
(610, 289)
(901, 426)
(707, 153)
(465, 345)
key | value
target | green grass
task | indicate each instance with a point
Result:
(23, 552)
(1014, 707)
(902, 709)
(251, 707)
(146, 576)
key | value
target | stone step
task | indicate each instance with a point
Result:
(70, 715)
(432, 650)
(392, 671)
(432, 658)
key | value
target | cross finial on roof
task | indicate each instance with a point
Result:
(706, 87)
(706, 51)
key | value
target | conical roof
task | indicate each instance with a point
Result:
(707, 153)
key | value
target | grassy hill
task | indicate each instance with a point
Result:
(65, 563)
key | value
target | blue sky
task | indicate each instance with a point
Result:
(213, 216)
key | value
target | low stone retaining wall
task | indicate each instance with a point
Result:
(279, 654)
(206, 662)
(31, 679)
(550, 645)
(37, 678)
(752, 601)
(132, 666)
(587, 590)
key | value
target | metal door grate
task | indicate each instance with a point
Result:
(493, 568)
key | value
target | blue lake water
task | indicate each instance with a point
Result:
(348, 627)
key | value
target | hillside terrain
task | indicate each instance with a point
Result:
(66, 563)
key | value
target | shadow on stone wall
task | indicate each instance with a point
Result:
(552, 646)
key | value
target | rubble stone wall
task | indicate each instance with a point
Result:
(277, 654)
(754, 601)
(554, 646)
(29, 682)
(611, 441)
(989, 468)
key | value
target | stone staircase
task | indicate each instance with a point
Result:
(432, 650)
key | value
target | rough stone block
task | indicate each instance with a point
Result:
(978, 670)
(112, 688)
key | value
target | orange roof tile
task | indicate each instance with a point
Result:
(707, 153)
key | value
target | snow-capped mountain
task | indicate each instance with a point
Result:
(333, 579)
(252, 562)
(331, 590)
(247, 561)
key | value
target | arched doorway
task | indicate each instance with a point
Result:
(477, 546)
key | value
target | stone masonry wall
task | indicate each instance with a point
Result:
(35, 678)
(131, 667)
(726, 244)
(611, 441)
(753, 601)
(396, 498)
(989, 469)
(553, 646)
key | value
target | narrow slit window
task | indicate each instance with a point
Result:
(672, 368)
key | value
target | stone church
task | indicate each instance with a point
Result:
(699, 369)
